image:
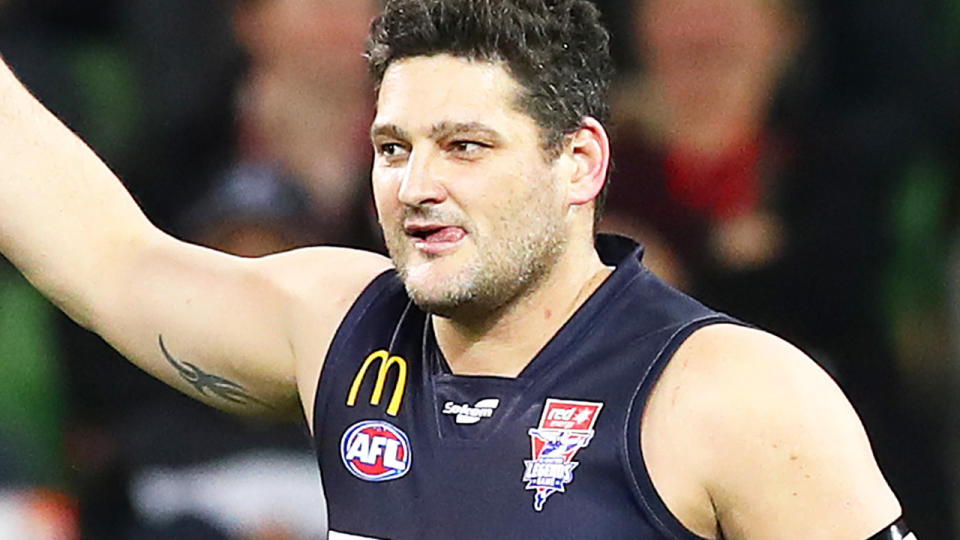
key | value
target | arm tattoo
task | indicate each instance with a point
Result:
(206, 382)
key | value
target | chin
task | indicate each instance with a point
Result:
(436, 295)
(446, 308)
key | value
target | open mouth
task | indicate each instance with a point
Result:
(435, 235)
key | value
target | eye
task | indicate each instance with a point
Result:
(391, 152)
(467, 147)
(389, 149)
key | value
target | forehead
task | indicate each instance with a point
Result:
(728, 13)
(422, 91)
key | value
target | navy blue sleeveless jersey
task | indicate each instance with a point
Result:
(407, 450)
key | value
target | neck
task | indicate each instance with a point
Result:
(504, 342)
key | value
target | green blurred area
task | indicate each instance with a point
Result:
(31, 401)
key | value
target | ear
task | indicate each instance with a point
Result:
(588, 154)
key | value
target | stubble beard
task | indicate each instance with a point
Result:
(506, 267)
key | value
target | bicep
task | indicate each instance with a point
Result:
(220, 328)
(791, 457)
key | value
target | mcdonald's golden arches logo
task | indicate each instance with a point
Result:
(386, 362)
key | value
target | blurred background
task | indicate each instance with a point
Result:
(791, 162)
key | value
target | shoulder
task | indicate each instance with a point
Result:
(319, 286)
(328, 274)
(759, 378)
(770, 439)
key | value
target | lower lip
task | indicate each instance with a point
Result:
(437, 247)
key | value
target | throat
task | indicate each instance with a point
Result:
(488, 362)
(506, 345)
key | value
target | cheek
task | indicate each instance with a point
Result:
(534, 195)
(385, 186)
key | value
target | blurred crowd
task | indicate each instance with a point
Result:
(791, 162)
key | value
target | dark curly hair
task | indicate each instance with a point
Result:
(558, 51)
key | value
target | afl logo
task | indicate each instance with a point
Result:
(375, 451)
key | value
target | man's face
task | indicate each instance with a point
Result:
(471, 209)
(706, 50)
(317, 39)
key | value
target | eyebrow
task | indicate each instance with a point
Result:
(443, 130)
(388, 130)
(438, 131)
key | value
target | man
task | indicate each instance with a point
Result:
(515, 384)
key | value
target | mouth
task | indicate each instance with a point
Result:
(434, 238)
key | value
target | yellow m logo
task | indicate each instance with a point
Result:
(386, 362)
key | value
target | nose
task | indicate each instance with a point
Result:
(421, 183)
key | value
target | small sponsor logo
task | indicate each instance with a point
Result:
(471, 414)
(375, 450)
(565, 427)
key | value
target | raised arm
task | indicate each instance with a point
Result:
(224, 329)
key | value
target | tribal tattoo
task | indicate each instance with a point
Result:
(209, 384)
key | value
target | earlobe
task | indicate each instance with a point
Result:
(589, 148)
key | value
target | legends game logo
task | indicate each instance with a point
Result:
(565, 427)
